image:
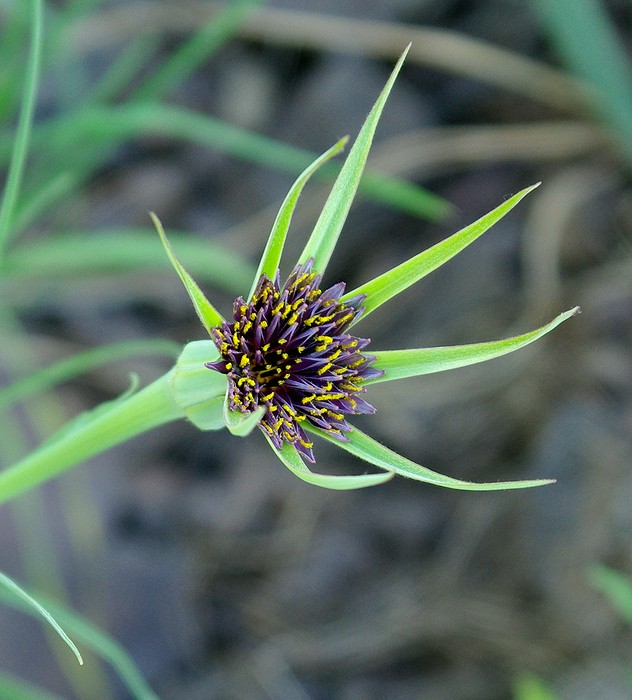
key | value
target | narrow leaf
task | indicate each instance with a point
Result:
(399, 364)
(293, 461)
(90, 636)
(322, 242)
(368, 449)
(238, 423)
(64, 370)
(617, 588)
(41, 610)
(391, 283)
(274, 247)
(203, 307)
(25, 123)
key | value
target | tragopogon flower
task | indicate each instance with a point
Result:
(289, 363)
(289, 351)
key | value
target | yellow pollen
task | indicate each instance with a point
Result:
(244, 361)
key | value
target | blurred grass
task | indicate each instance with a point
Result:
(585, 37)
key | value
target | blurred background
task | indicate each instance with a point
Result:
(221, 574)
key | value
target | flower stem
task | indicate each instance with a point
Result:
(95, 432)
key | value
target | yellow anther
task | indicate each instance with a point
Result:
(244, 361)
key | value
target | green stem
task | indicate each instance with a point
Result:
(149, 408)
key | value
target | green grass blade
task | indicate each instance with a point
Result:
(25, 123)
(616, 587)
(12, 688)
(96, 640)
(370, 450)
(81, 363)
(238, 423)
(400, 364)
(591, 46)
(530, 687)
(271, 257)
(196, 50)
(322, 242)
(121, 250)
(87, 132)
(206, 312)
(293, 461)
(386, 286)
(122, 71)
(13, 587)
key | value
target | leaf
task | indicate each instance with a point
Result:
(290, 457)
(93, 638)
(274, 247)
(41, 610)
(205, 310)
(238, 423)
(368, 449)
(322, 242)
(616, 587)
(391, 283)
(400, 364)
(25, 124)
(80, 363)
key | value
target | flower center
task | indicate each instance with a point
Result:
(288, 350)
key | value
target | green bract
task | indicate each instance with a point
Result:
(210, 397)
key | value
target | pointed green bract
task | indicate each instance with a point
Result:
(391, 283)
(271, 257)
(197, 390)
(206, 312)
(322, 242)
(399, 364)
(293, 461)
(370, 450)
(238, 423)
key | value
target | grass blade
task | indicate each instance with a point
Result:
(25, 123)
(370, 450)
(206, 312)
(94, 639)
(12, 688)
(81, 363)
(386, 286)
(590, 45)
(616, 587)
(98, 126)
(36, 607)
(322, 242)
(194, 51)
(400, 364)
(293, 461)
(125, 249)
(274, 247)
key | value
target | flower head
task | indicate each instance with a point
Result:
(288, 362)
(288, 350)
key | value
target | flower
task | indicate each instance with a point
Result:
(288, 350)
(288, 364)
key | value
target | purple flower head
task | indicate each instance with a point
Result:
(288, 350)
